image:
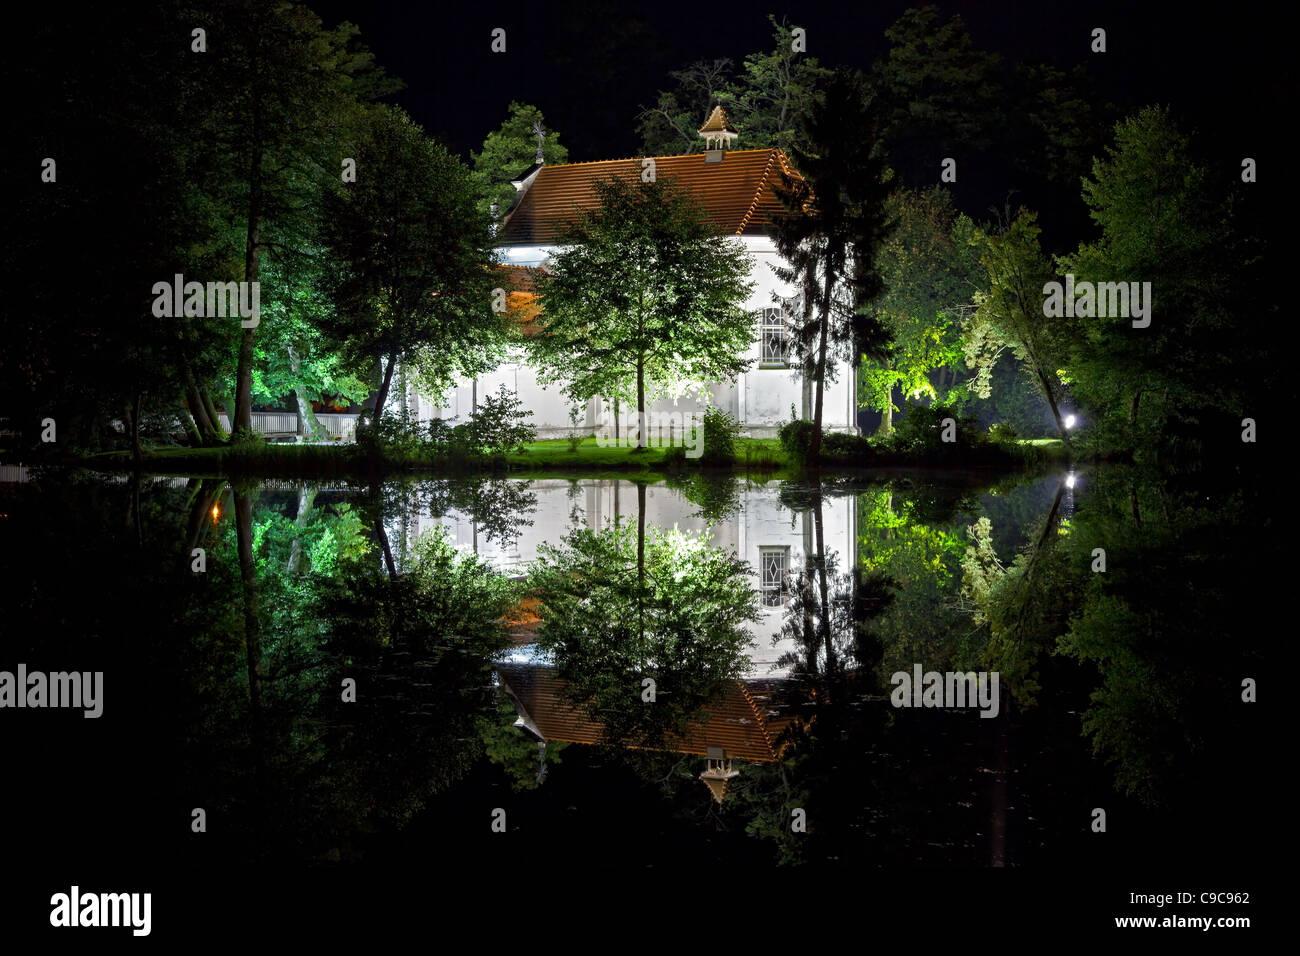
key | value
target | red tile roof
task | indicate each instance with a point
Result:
(739, 720)
(737, 193)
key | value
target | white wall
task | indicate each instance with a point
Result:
(761, 398)
(762, 522)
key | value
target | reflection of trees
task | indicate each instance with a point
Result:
(620, 605)
(716, 496)
(1165, 625)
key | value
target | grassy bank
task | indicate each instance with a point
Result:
(757, 456)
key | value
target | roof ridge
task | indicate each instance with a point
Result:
(633, 159)
(762, 180)
(762, 721)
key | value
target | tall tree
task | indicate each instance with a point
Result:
(775, 92)
(931, 271)
(284, 88)
(409, 260)
(1010, 314)
(508, 152)
(1164, 220)
(939, 95)
(644, 288)
(831, 232)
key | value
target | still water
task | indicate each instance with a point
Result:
(631, 674)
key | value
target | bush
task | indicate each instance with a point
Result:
(796, 438)
(720, 432)
(922, 430)
(392, 434)
(844, 446)
(1002, 432)
(497, 426)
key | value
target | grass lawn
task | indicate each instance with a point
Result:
(758, 456)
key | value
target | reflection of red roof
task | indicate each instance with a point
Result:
(736, 193)
(739, 720)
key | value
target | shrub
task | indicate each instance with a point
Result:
(720, 432)
(796, 438)
(844, 446)
(922, 428)
(1002, 432)
(497, 426)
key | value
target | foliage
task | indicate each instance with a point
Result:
(644, 290)
(830, 233)
(408, 267)
(720, 432)
(1010, 314)
(611, 619)
(497, 425)
(508, 152)
(931, 270)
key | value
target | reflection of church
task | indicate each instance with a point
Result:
(745, 721)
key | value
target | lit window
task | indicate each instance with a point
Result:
(775, 337)
(774, 564)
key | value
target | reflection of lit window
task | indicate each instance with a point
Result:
(775, 337)
(773, 564)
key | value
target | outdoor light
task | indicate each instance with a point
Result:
(1069, 481)
(1069, 421)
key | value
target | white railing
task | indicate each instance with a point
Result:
(338, 425)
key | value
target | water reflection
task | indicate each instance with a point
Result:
(319, 666)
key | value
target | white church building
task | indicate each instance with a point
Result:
(735, 189)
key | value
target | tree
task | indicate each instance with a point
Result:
(618, 606)
(292, 356)
(1010, 314)
(774, 93)
(644, 287)
(938, 95)
(283, 87)
(931, 271)
(830, 233)
(508, 152)
(671, 126)
(1164, 221)
(409, 261)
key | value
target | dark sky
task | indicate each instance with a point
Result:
(590, 66)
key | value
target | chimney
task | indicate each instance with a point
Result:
(718, 133)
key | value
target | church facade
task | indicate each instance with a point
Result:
(735, 189)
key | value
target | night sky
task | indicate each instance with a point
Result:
(591, 66)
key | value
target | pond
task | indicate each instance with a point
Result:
(716, 669)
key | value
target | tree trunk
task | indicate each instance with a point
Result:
(218, 431)
(1133, 407)
(382, 398)
(640, 566)
(827, 639)
(815, 449)
(248, 577)
(306, 498)
(309, 425)
(640, 403)
(887, 423)
(243, 419)
(135, 429)
(1050, 395)
(382, 535)
(195, 405)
